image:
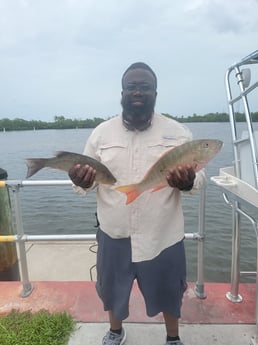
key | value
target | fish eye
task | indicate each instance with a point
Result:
(205, 145)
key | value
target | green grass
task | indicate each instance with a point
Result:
(41, 328)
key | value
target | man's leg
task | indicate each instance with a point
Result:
(113, 262)
(171, 325)
(116, 335)
(114, 323)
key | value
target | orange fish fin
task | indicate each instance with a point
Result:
(158, 188)
(131, 192)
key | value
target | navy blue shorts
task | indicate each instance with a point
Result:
(162, 280)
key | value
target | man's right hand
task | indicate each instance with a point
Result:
(82, 175)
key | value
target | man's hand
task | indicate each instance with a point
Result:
(82, 175)
(181, 177)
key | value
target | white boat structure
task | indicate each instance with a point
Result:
(213, 313)
(239, 183)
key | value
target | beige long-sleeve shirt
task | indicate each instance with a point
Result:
(154, 221)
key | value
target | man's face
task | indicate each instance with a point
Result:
(138, 97)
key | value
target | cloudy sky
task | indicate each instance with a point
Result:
(66, 57)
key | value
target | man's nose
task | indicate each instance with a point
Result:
(137, 90)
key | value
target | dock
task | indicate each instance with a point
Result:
(63, 277)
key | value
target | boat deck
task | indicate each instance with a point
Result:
(213, 320)
(80, 299)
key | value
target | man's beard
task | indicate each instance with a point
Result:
(137, 117)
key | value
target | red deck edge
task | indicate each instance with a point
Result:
(81, 301)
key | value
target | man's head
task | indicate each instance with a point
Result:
(139, 85)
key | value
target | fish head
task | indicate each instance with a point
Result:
(204, 150)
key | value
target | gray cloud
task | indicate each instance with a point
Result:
(226, 16)
(66, 57)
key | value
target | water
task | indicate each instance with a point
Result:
(57, 210)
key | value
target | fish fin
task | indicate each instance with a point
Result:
(131, 191)
(60, 154)
(34, 165)
(158, 188)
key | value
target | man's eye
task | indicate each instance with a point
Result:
(131, 87)
(145, 88)
(140, 87)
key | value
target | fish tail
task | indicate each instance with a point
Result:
(131, 191)
(34, 165)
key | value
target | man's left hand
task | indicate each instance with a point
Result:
(181, 177)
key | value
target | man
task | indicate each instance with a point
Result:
(142, 240)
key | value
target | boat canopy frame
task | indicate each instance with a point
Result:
(239, 183)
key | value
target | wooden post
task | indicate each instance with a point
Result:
(9, 266)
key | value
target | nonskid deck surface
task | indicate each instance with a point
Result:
(67, 286)
(80, 299)
(62, 283)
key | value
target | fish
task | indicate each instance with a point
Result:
(65, 160)
(196, 153)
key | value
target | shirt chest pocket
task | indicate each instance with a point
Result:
(113, 155)
(157, 149)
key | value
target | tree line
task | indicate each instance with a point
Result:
(60, 122)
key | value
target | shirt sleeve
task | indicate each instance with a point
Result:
(200, 180)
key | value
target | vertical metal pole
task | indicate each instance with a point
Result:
(233, 295)
(199, 286)
(253, 147)
(232, 123)
(27, 286)
(254, 339)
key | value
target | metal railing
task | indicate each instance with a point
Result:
(21, 237)
(242, 83)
